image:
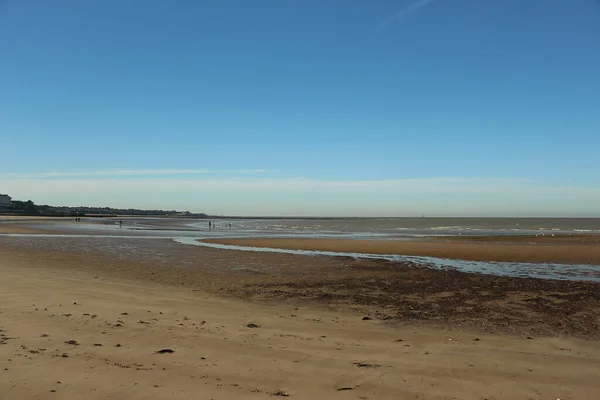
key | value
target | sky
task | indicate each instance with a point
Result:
(303, 107)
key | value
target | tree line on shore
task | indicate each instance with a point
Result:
(29, 208)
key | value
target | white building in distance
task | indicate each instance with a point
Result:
(5, 200)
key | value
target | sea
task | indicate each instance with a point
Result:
(407, 227)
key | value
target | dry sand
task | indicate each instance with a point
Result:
(556, 252)
(118, 325)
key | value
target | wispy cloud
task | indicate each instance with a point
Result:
(399, 15)
(248, 180)
(278, 195)
(129, 172)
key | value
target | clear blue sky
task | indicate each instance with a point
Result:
(314, 107)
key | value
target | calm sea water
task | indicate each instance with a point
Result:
(411, 227)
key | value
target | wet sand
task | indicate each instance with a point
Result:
(22, 230)
(395, 293)
(92, 325)
(19, 224)
(90, 226)
(564, 251)
(526, 239)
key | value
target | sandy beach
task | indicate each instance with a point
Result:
(99, 317)
(583, 250)
(77, 326)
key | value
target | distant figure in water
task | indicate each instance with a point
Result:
(120, 223)
(230, 226)
(209, 225)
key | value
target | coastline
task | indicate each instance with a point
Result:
(559, 251)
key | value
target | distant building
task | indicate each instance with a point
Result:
(5, 200)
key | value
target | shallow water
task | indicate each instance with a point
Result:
(108, 236)
(410, 227)
(365, 228)
(575, 272)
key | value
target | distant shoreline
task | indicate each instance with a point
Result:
(303, 218)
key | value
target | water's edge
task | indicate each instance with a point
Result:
(573, 272)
